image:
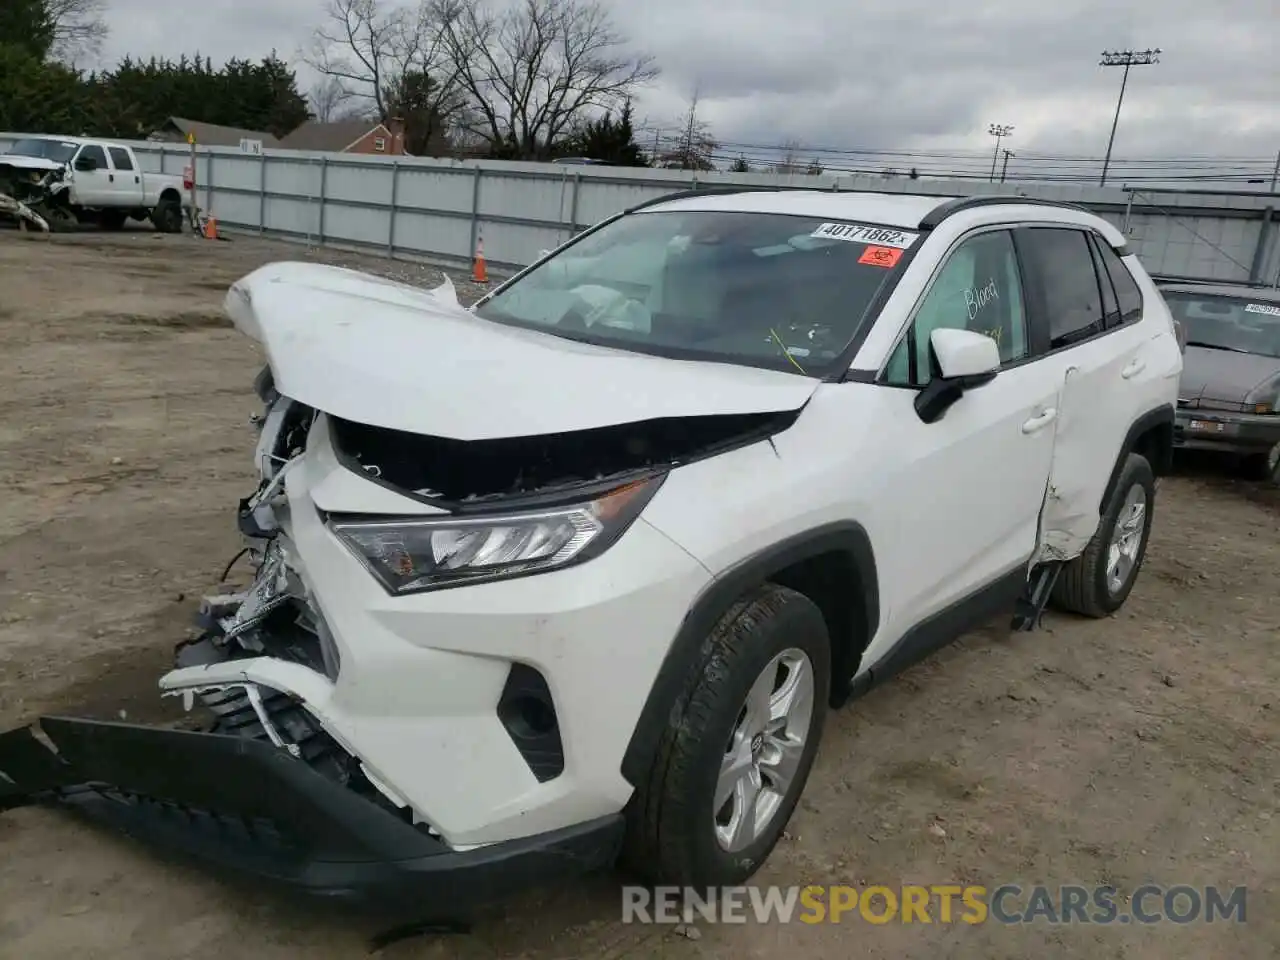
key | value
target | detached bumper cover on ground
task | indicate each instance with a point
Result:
(246, 806)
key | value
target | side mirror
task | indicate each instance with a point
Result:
(86, 164)
(961, 360)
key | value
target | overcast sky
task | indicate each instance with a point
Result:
(921, 75)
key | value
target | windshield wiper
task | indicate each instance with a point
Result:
(1215, 346)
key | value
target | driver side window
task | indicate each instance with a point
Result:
(979, 288)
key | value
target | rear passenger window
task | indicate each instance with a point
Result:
(120, 158)
(1128, 295)
(1072, 295)
(1110, 308)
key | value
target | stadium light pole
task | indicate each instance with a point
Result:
(999, 131)
(1126, 59)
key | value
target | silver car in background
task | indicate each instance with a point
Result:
(1229, 396)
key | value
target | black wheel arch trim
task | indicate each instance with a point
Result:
(1161, 418)
(718, 597)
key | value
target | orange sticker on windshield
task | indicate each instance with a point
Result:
(881, 256)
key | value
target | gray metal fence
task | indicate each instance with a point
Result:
(438, 209)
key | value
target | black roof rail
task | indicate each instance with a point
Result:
(723, 192)
(959, 204)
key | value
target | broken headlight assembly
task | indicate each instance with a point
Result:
(419, 554)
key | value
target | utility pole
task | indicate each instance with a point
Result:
(1004, 167)
(999, 131)
(1275, 173)
(1126, 59)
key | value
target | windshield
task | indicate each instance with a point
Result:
(56, 150)
(769, 290)
(1228, 323)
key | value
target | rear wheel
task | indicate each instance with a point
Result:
(167, 216)
(738, 746)
(1097, 583)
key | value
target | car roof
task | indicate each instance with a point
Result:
(1256, 294)
(891, 209)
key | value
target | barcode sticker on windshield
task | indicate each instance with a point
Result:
(865, 233)
(1266, 308)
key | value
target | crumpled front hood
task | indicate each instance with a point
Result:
(1223, 375)
(28, 163)
(392, 355)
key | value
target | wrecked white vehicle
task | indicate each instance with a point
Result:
(71, 180)
(29, 187)
(579, 571)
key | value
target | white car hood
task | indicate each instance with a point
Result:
(392, 355)
(28, 163)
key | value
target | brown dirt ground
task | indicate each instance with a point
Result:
(1137, 749)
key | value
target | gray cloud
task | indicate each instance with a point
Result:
(920, 75)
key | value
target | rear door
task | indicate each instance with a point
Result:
(1099, 352)
(126, 179)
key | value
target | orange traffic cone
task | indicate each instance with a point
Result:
(211, 228)
(479, 273)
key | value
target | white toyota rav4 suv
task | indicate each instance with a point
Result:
(581, 569)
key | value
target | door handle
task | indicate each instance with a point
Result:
(1040, 420)
(111, 178)
(136, 180)
(1134, 368)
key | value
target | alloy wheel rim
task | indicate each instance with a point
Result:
(765, 750)
(1126, 539)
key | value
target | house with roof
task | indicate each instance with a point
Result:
(177, 129)
(347, 136)
(344, 136)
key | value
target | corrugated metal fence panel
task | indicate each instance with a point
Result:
(439, 209)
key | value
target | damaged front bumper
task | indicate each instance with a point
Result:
(246, 806)
(26, 217)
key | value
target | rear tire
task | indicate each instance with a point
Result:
(677, 833)
(167, 216)
(1097, 583)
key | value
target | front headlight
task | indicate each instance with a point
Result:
(413, 555)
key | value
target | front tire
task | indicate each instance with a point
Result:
(738, 746)
(1097, 583)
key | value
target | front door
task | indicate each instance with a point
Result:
(967, 489)
(93, 187)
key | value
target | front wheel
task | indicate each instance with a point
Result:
(1097, 583)
(1263, 467)
(738, 746)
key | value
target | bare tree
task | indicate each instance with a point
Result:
(790, 162)
(696, 146)
(356, 48)
(532, 71)
(327, 97)
(78, 27)
(372, 53)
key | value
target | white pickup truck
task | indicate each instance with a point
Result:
(68, 180)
